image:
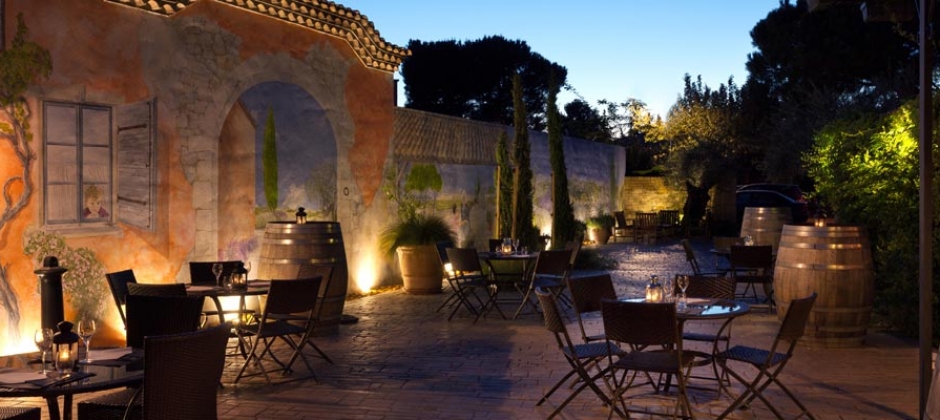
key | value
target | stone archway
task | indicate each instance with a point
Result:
(306, 164)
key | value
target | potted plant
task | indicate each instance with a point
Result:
(600, 228)
(414, 239)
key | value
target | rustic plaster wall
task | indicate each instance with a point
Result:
(196, 64)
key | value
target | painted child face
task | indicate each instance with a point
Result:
(94, 205)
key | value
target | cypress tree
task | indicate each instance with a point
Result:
(269, 161)
(503, 187)
(522, 211)
(563, 223)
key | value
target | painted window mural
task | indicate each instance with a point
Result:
(295, 163)
(77, 154)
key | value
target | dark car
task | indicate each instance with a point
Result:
(767, 198)
(789, 190)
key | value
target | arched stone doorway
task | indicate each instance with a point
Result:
(305, 165)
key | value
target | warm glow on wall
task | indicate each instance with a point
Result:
(366, 275)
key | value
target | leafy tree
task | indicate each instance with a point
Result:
(866, 168)
(702, 139)
(503, 184)
(811, 68)
(22, 64)
(583, 121)
(564, 228)
(522, 207)
(269, 161)
(473, 79)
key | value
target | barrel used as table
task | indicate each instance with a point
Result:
(764, 224)
(835, 262)
(288, 246)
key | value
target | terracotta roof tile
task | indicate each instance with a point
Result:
(319, 15)
(427, 137)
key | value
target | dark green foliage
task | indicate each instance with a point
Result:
(523, 192)
(269, 161)
(422, 229)
(866, 170)
(472, 79)
(503, 187)
(584, 122)
(590, 259)
(811, 67)
(423, 177)
(563, 226)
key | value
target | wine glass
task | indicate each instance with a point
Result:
(515, 245)
(43, 340)
(247, 268)
(86, 329)
(683, 283)
(217, 272)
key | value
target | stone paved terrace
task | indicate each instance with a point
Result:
(403, 360)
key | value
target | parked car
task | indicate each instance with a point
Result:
(767, 198)
(789, 190)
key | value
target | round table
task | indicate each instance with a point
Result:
(95, 376)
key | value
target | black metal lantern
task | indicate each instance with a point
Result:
(301, 216)
(65, 348)
(240, 276)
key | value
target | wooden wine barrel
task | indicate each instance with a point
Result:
(835, 262)
(764, 224)
(287, 247)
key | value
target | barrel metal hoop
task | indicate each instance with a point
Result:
(823, 267)
(285, 261)
(330, 241)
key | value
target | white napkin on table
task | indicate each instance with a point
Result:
(110, 354)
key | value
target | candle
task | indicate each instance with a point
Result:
(65, 356)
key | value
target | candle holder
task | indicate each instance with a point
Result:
(65, 348)
(654, 290)
(301, 216)
(240, 276)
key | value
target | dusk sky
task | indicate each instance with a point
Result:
(613, 49)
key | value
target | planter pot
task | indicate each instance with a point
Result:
(600, 236)
(421, 269)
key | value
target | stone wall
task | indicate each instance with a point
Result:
(650, 193)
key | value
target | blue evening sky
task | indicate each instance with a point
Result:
(613, 49)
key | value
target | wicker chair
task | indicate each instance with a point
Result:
(669, 222)
(753, 265)
(325, 273)
(586, 295)
(181, 382)
(769, 363)
(578, 356)
(286, 299)
(117, 282)
(161, 315)
(621, 229)
(20, 413)
(465, 279)
(551, 273)
(708, 287)
(693, 261)
(165, 290)
(645, 224)
(643, 325)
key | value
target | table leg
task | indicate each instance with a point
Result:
(52, 403)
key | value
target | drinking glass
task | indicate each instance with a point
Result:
(86, 329)
(515, 245)
(683, 283)
(247, 269)
(668, 290)
(217, 272)
(43, 339)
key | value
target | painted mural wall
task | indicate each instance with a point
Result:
(205, 69)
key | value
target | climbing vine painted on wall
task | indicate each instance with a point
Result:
(84, 282)
(22, 64)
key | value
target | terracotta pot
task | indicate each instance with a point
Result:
(600, 236)
(421, 269)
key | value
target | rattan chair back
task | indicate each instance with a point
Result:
(640, 324)
(20, 413)
(464, 261)
(292, 296)
(161, 315)
(709, 287)
(553, 263)
(183, 373)
(588, 291)
(167, 289)
(117, 282)
(794, 323)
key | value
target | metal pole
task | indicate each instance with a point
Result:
(926, 201)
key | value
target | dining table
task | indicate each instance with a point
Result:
(243, 313)
(107, 369)
(503, 278)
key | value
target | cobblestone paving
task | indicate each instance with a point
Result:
(404, 360)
